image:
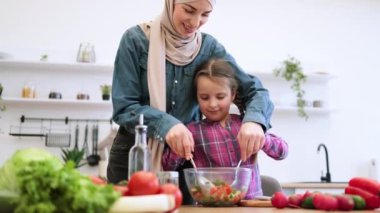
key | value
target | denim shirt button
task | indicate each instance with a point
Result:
(175, 81)
(173, 102)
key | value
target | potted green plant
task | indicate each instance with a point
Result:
(292, 71)
(76, 155)
(106, 91)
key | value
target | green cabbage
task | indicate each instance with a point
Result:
(19, 160)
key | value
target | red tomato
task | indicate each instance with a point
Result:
(124, 191)
(172, 189)
(143, 183)
(279, 200)
(325, 202)
(97, 180)
(295, 200)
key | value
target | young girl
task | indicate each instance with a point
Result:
(215, 136)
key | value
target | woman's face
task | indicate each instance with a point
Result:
(189, 17)
(214, 98)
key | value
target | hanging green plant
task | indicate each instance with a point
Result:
(291, 71)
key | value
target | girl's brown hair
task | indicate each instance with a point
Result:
(216, 69)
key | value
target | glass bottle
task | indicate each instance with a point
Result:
(139, 155)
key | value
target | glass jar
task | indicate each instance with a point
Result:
(29, 90)
(167, 177)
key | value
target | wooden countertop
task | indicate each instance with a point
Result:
(315, 185)
(198, 209)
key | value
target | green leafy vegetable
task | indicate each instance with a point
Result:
(18, 161)
(45, 185)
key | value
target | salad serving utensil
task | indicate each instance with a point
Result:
(236, 181)
(204, 183)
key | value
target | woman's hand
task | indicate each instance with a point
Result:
(251, 139)
(180, 140)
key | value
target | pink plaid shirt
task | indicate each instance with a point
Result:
(216, 146)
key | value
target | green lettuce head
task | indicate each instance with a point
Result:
(19, 161)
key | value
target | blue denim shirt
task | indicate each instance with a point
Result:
(130, 95)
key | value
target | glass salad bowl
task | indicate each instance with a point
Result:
(222, 186)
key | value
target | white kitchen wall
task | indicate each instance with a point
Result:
(340, 37)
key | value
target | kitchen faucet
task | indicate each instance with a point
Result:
(326, 178)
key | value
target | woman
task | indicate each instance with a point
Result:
(153, 74)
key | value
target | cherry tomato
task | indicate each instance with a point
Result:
(143, 183)
(124, 191)
(97, 180)
(172, 189)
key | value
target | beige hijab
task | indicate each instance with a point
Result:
(166, 44)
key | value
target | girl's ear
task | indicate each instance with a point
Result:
(233, 94)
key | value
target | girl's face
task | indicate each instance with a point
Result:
(189, 17)
(214, 98)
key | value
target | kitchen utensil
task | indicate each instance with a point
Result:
(85, 143)
(235, 182)
(94, 158)
(204, 183)
(76, 135)
(222, 194)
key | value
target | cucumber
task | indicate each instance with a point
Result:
(307, 203)
(8, 201)
(359, 202)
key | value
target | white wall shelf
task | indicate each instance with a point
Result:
(312, 110)
(317, 77)
(101, 103)
(55, 66)
(285, 109)
(54, 102)
(87, 68)
(51, 66)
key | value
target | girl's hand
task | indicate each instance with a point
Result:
(180, 140)
(251, 139)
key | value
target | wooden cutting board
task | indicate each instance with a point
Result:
(256, 203)
(143, 203)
